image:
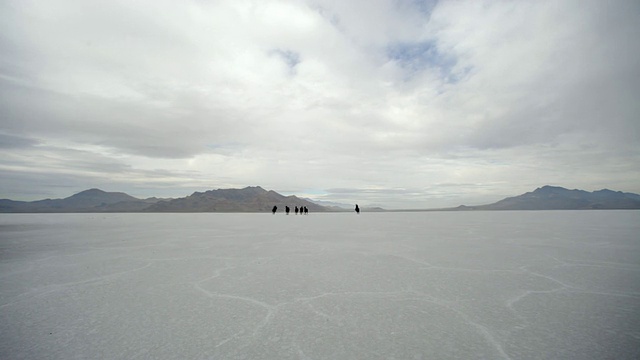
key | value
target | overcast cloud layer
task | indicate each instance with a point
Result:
(396, 103)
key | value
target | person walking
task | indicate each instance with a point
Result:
(275, 208)
(357, 209)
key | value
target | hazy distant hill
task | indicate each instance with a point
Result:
(257, 199)
(92, 200)
(249, 199)
(559, 198)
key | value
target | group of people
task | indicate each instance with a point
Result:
(302, 210)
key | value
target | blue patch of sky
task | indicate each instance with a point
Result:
(423, 6)
(291, 58)
(418, 56)
(328, 15)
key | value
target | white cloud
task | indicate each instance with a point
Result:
(480, 99)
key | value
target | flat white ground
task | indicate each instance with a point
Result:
(434, 285)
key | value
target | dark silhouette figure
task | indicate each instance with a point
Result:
(275, 208)
(357, 209)
(287, 209)
(306, 211)
(296, 210)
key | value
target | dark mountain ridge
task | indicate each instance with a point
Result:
(249, 199)
(257, 199)
(92, 200)
(559, 198)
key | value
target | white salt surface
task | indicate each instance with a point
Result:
(435, 285)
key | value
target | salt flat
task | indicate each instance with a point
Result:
(433, 285)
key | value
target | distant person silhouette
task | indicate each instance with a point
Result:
(296, 210)
(357, 209)
(287, 209)
(275, 208)
(306, 211)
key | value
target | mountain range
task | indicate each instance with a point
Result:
(249, 199)
(559, 198)
(92, 200)
(257, 199)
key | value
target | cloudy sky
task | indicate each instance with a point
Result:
(396, 103)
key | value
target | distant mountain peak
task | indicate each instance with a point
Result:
(608, 191)
(558, 198)
(91, 192)
(550, 188)
(248, 199)
(91, 200)
(94, 192)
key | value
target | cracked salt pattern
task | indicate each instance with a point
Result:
(434, 285)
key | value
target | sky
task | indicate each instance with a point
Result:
(402, 104)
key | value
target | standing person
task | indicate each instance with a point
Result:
(306, 211)
(275, 208)
(296, 210)
(287, 209)
(357, 209)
